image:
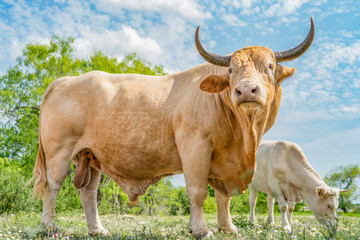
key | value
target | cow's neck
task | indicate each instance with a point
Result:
(240, 137)
(250, 121)
(305, 179)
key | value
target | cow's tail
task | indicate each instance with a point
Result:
(40, 188)
(40, 172)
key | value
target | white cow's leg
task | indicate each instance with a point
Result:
(283, 206)
(252, 201)
(195, 156)
(291, 206)
(224, 218)
(88, 197)
(270, 206)
(283, 209)
(57, 168)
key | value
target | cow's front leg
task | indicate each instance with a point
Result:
(291, 206)
(195, 155)
(253, 194)
(224, 218)
(270, 205)
(283, 206)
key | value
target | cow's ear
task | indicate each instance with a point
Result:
(215, 83)
(320, 191)
(282, 72)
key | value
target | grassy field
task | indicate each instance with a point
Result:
(72, 225)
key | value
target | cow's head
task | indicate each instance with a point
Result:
(253, 75)
(325, 204)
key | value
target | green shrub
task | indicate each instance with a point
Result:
(14, 197)
(111, 198)
(210, 205)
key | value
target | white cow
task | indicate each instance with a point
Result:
(283, 172)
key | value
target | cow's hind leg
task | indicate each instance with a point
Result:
(57, 168)
(88, 195)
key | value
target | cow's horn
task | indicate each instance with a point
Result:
(344, 190)
(298, 50)
(209, 56)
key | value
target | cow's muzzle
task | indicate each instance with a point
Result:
(248, 96)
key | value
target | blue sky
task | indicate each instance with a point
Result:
(320, 108)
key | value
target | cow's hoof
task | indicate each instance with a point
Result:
(229, 230)
(100, 231)
(270, 221)
(48, 227)
(205, 234)
(287, 229)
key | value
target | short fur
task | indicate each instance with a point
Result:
(142, 128)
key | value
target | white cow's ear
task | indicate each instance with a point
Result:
(321, 191)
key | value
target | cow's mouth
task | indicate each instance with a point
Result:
(249, 105)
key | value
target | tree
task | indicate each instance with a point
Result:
(345, 177)
(22, 87)
(21, 90)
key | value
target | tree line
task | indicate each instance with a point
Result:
(21, 90)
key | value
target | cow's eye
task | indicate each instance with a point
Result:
(271, 66)
(330, 206)
(230, 70)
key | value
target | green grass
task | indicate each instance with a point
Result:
(72, 225)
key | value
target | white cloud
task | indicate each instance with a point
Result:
(351, 109)
(237, 3)
(117, 42)
(186, 8)
(284, 7)
(346, 34)
(232, 20)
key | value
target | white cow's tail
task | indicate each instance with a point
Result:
(40, 188)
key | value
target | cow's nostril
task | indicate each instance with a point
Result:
(238, 92)
(254, 90)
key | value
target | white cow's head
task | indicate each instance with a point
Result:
(325, 205)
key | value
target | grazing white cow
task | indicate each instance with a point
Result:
(283, 172)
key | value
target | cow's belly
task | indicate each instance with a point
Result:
(137, 161)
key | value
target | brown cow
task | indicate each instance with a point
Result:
(206, 122)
